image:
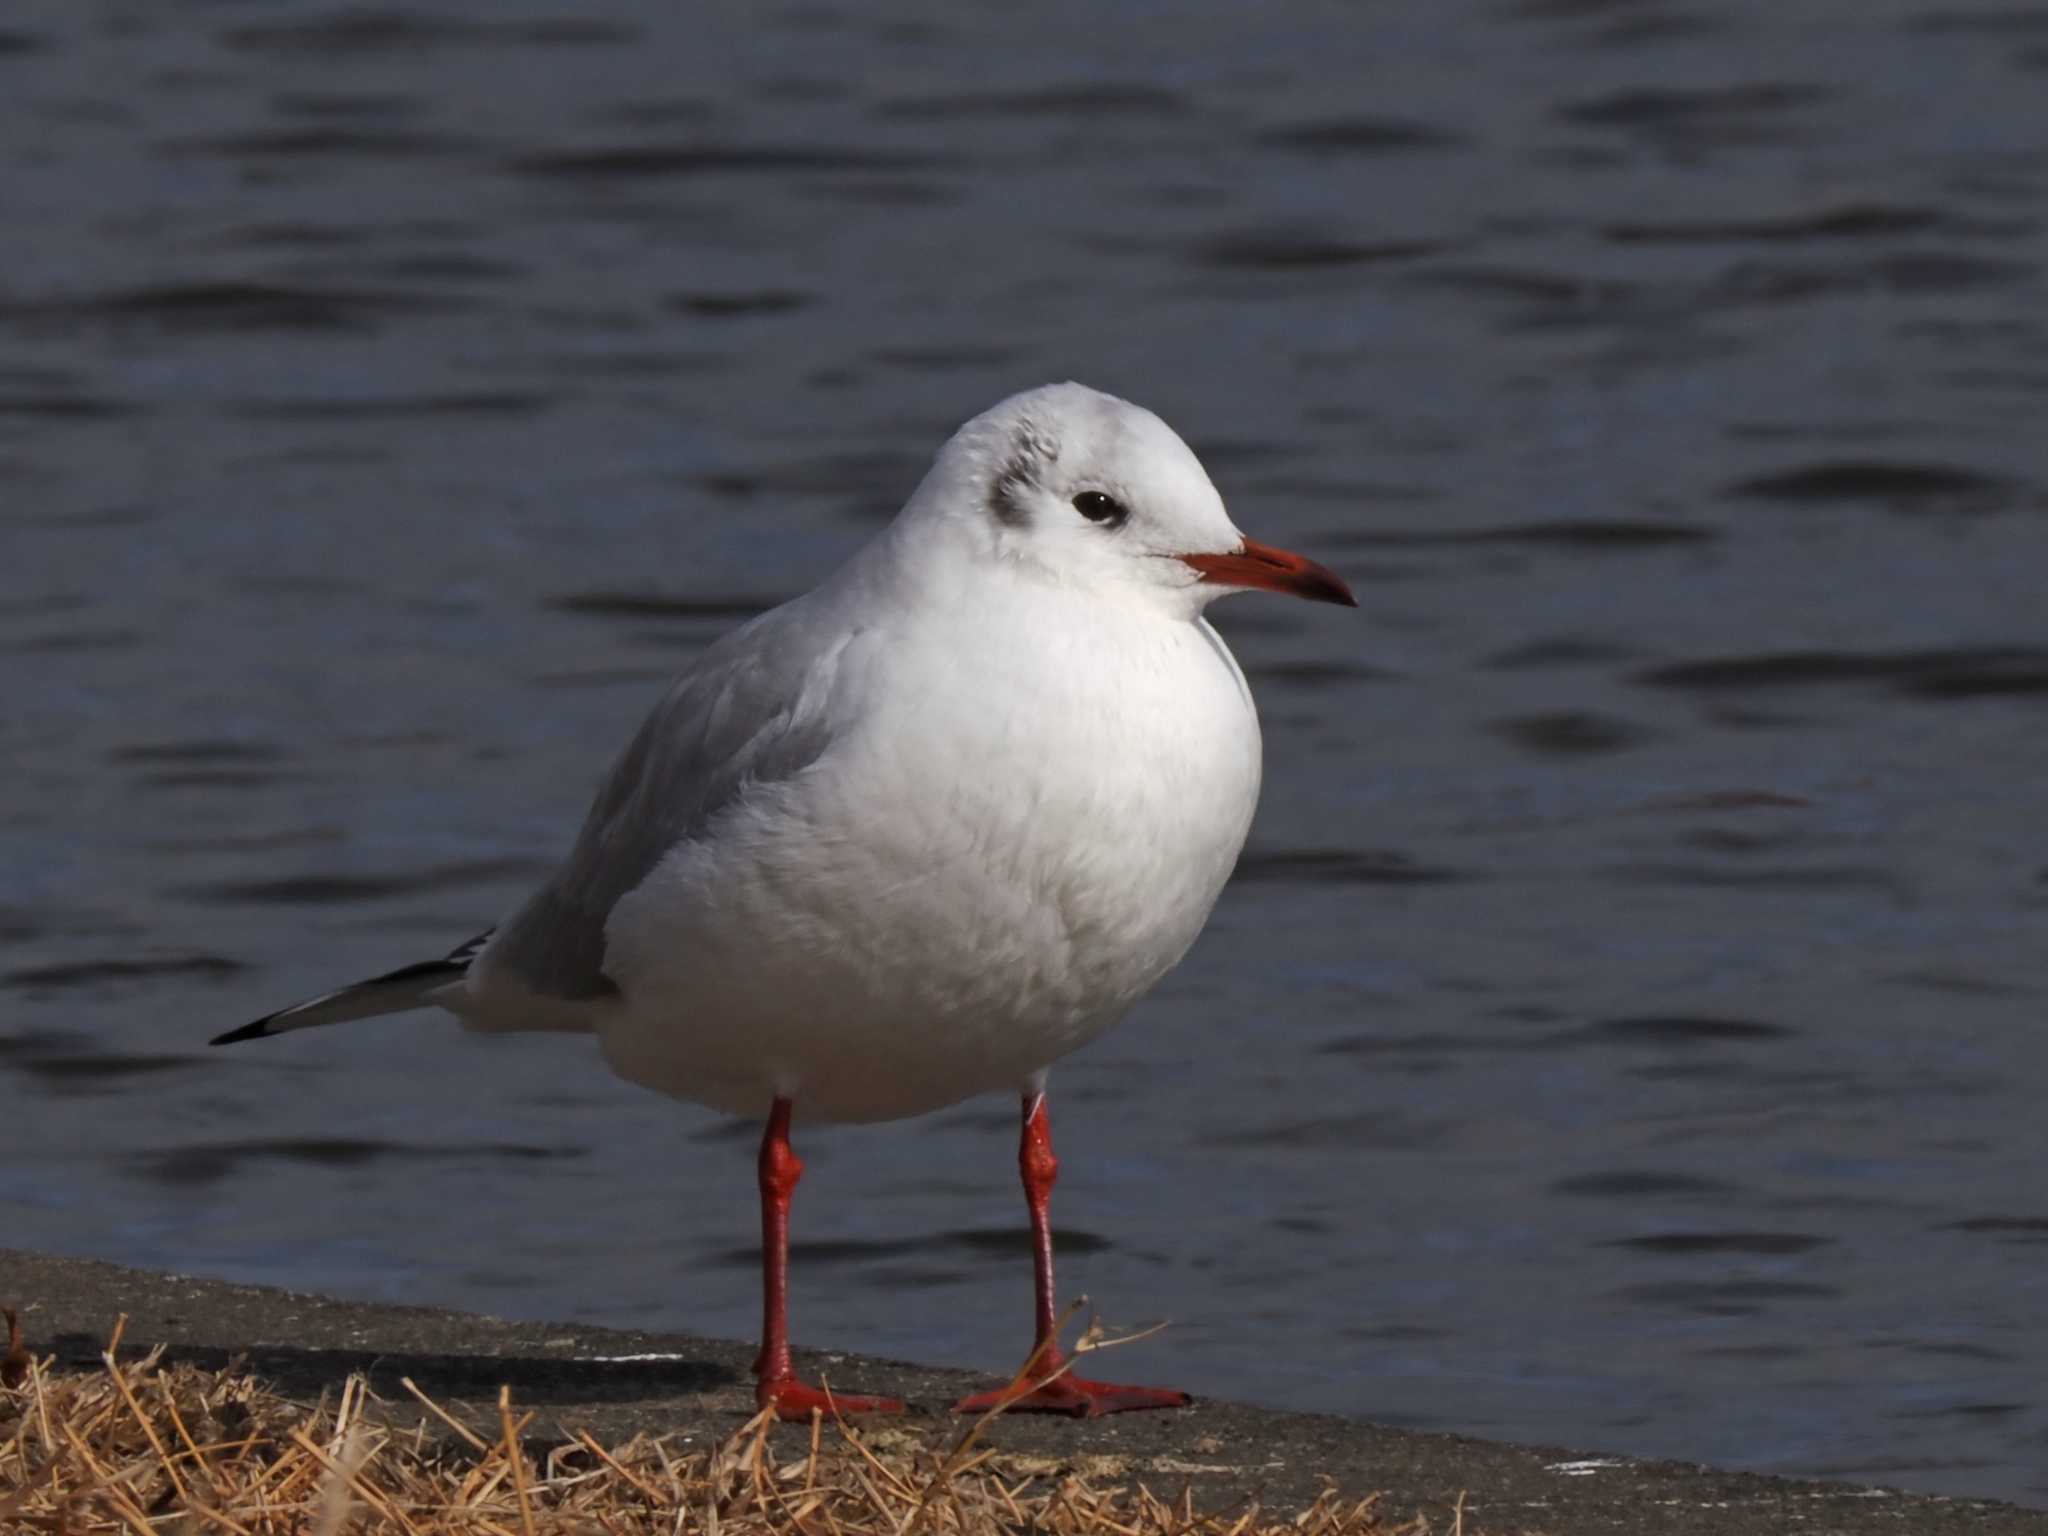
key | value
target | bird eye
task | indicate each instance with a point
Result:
(1099, 507)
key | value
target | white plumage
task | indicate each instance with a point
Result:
(923, 831)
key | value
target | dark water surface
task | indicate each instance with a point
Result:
(1627, 1027)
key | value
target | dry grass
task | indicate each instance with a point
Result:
(145, 1448)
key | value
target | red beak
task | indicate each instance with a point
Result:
(1273, 570)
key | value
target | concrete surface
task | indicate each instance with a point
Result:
(583, 1377)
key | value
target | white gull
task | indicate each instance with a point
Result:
(917, 834)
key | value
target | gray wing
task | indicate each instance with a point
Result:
(754, 709)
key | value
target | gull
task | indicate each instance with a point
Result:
(914, 835)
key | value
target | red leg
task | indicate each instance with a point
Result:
(1069, 1393)
(774, 1379)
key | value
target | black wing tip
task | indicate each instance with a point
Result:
(456, 964)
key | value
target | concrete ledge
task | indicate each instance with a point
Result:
(618, 1383)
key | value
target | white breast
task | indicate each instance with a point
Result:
(1014, 842)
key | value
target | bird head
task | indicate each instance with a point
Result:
(1081, 489)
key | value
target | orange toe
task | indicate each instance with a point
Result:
(1072, 1394)
(798, 1400)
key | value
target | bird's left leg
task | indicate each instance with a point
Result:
(1040, 1392)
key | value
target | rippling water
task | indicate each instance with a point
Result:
(1627, 1026)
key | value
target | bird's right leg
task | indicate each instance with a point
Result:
(775, 1382)
(1044, 1387)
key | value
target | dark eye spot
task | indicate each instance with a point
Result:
(1100, 507)
(1005, 495)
